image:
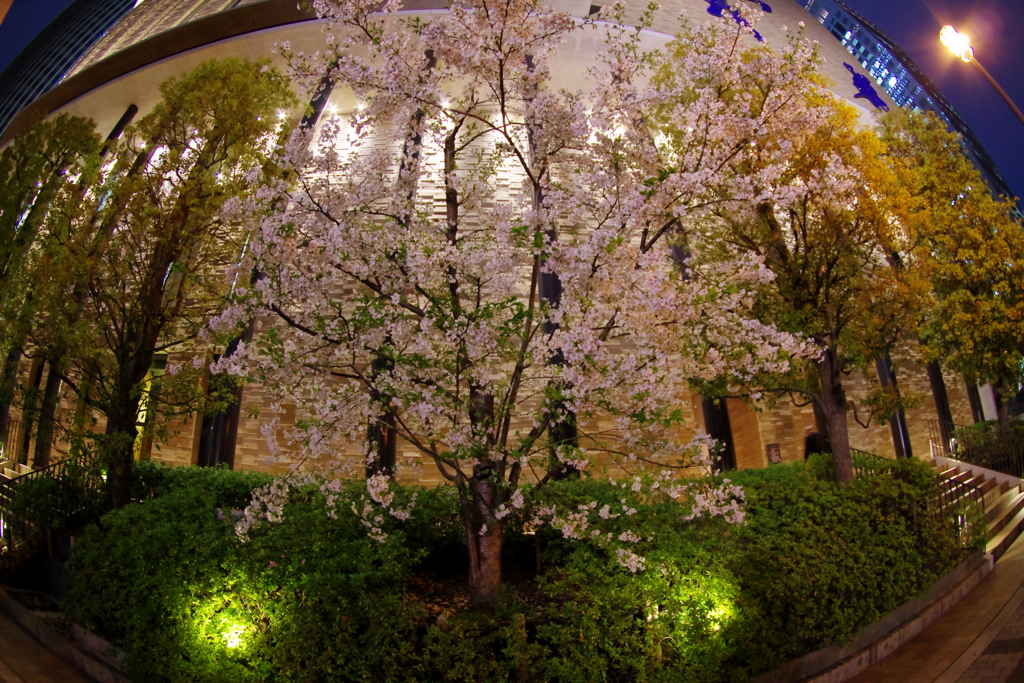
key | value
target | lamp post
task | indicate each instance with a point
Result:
(960, 45)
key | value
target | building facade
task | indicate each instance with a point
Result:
(163, 38)
(51, 55)
(893, 70)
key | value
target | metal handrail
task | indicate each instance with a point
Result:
(18, 534)
(960, 503)
(952, 501)
(982, 445)
(860, 471)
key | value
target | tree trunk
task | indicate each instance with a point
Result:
(484, 536)
(820, 423)
(121, 434)
(47, 418)
(833, 405)
(1002, 394)
(7, 380)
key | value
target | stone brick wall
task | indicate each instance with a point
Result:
(746, 435)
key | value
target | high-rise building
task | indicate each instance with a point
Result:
(50, 56)
(149, 19)
(904, 81)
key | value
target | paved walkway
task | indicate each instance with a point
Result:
(23, 660)
(981, 640)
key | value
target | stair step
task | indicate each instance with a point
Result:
(998, 505)
(994, 492)
(1013, 504)
(1001, 542)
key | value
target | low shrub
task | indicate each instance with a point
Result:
(230, 489)
(313, 598)
(61, 504)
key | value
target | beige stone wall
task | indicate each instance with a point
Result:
(746, 435)
(959, 403)
(784, 423)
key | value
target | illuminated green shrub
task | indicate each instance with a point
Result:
(314, 598)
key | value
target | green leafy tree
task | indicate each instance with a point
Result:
(827, 239)
(971, 245)
(139, 266)
(43, 168)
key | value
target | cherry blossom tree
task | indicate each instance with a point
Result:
(494, 267)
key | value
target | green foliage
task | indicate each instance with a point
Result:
(61, 504)
(229, 489)
(968, 243)
(167, 580)
(826, 561)
(130, 262)
(314, 598)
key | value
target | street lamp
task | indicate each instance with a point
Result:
(960, 45)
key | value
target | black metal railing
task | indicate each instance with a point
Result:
(957, 505)
(10, 441)
(866, 463)
(961, 505)
(36, 502)
(981, 444)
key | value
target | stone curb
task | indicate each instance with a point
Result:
(56, 643)
(835, 664)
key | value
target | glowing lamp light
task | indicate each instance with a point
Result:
(233, 637)
(958, 43)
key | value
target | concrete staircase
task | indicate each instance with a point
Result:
(1002, 496)
(11, 472)
(10, 469)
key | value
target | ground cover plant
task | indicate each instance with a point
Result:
(318, 596)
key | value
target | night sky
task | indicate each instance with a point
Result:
(996, 28)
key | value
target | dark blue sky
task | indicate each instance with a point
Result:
(996, 28)
(24, 21)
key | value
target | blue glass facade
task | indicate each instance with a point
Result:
(896, 72)
(46, 60)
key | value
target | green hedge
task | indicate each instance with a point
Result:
(314, 599)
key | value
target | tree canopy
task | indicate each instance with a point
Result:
(969, 244)
(469, 222)
(140, 257)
